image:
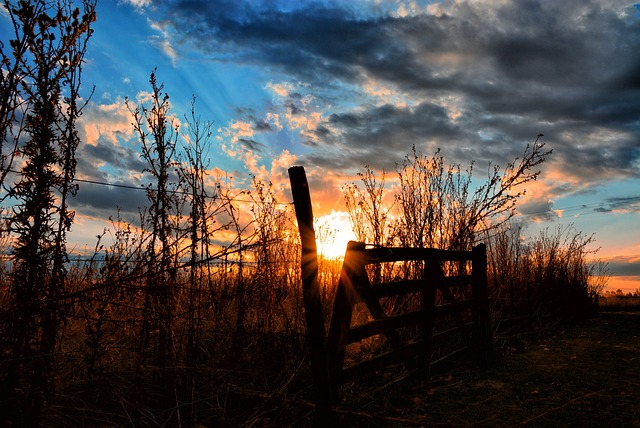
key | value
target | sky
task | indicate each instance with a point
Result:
(335, 85)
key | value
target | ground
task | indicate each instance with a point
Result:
(587, 375)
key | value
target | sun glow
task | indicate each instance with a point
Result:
(333, 231)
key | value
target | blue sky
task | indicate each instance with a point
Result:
(337, 84)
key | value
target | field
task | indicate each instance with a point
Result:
(620, 302)
(587, 375)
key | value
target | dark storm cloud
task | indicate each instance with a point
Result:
(385, 133)
(250, 115)
(114, 155)
(293, 108)
(313, 43)
(96, 199)
(624, 266)
(589, 157)
(534, 66)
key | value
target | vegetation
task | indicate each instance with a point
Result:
(176, 317)
(544, 280)
(613, 300)
(40, 103)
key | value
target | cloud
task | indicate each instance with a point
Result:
(98, 200)
(239, 129)
(262, 125)
(538, 209)
(361, 82)
(120, 157)
(282, 89)
(109, 142)
(162, 41)
(568, 69)
(629, 204)
(137, 3)
(624, 265)
(252, 145)
(110, 154)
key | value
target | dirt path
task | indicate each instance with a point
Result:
(585, 376)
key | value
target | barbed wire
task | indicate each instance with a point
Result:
(183, 192)
(582, 209)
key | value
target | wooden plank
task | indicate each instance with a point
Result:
(395, 288)
(383, 325)
(346, 297)
(380, 361)
(396, 254)
(362, 286)
(353, 283)
(465, 328)
(453, 308)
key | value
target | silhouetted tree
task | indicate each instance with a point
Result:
(158, 134)
(193, 176)
(439, 208)
(12, 102)
(236, 248)
(270, 283)
(40, 86)
(368, 214)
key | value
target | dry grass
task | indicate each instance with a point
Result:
(584, 376)
(619, 302)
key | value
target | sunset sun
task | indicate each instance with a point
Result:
(333, 231)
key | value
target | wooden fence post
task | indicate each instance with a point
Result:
(311, 294)
(431, 270)
(482, 321)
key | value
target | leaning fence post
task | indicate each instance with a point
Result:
(311, 293)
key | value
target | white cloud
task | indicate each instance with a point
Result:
(137, 3)
(239, 129)
(273, 119)
(107, 121)
(163, 42)
(282, 89)
(408, 9)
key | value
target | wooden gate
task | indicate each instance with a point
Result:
(444, 295)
